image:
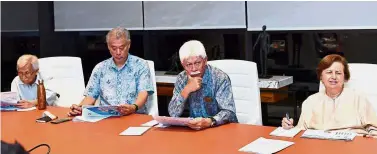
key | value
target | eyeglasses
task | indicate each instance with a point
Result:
(25, 74)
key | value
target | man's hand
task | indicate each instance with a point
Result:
(23, 104)
(194, 83)
(200, 123)
(126, 109)
(75, 110)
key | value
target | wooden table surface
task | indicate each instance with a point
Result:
(103, 137)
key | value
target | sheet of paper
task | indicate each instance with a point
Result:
(134, 131)
(14, 108)
(176, 121)
(161, 126)
(150, 123)
(262, 145)
(280, 131)
(27, 109)
(88, 119)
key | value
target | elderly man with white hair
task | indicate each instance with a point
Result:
(123, 80)
(26, 83)
(205, 89)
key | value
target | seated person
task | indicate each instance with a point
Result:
(26, 83)
(123, 80)
(336, 107)
(206, 89)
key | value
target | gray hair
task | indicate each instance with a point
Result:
(28, 59)
(118, 32)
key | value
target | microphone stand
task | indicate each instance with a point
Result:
(264, 48)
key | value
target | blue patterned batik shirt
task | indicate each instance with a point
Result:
(214, 99)
(115, 86)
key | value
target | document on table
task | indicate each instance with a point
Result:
(266, 146)
(155, 124)
(175, 121)
(134, 131)
(9, 98)
(88, 118)
(14, 108)
(280, 131)
(150, 123)
(333, 135)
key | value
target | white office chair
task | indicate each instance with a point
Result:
(246, 93)
(152, 104)
(363, 78)
(65, 77)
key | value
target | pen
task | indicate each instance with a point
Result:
(287, 116)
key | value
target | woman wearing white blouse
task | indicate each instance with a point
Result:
(336, 107)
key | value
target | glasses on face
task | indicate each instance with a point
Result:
(26, 74)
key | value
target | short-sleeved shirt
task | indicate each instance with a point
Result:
(115, 86)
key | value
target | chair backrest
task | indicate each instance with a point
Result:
(152, 104)
(65, 77)
(363, 78)
(244, 78)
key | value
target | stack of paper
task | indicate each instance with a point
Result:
(334, 135)
(280, 131)
(262, 145)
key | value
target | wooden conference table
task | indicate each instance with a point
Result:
(103, 137)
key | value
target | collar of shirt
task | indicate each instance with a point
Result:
(113, 65)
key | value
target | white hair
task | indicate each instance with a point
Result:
(118, 32)
(192, 48)
(28, 59)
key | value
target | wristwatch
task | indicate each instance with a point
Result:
(213, 123)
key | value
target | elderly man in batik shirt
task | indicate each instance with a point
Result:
(123, 80)
(205, 89)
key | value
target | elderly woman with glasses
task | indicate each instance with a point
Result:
(205, 89)
(25, 84)
(336, 107)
